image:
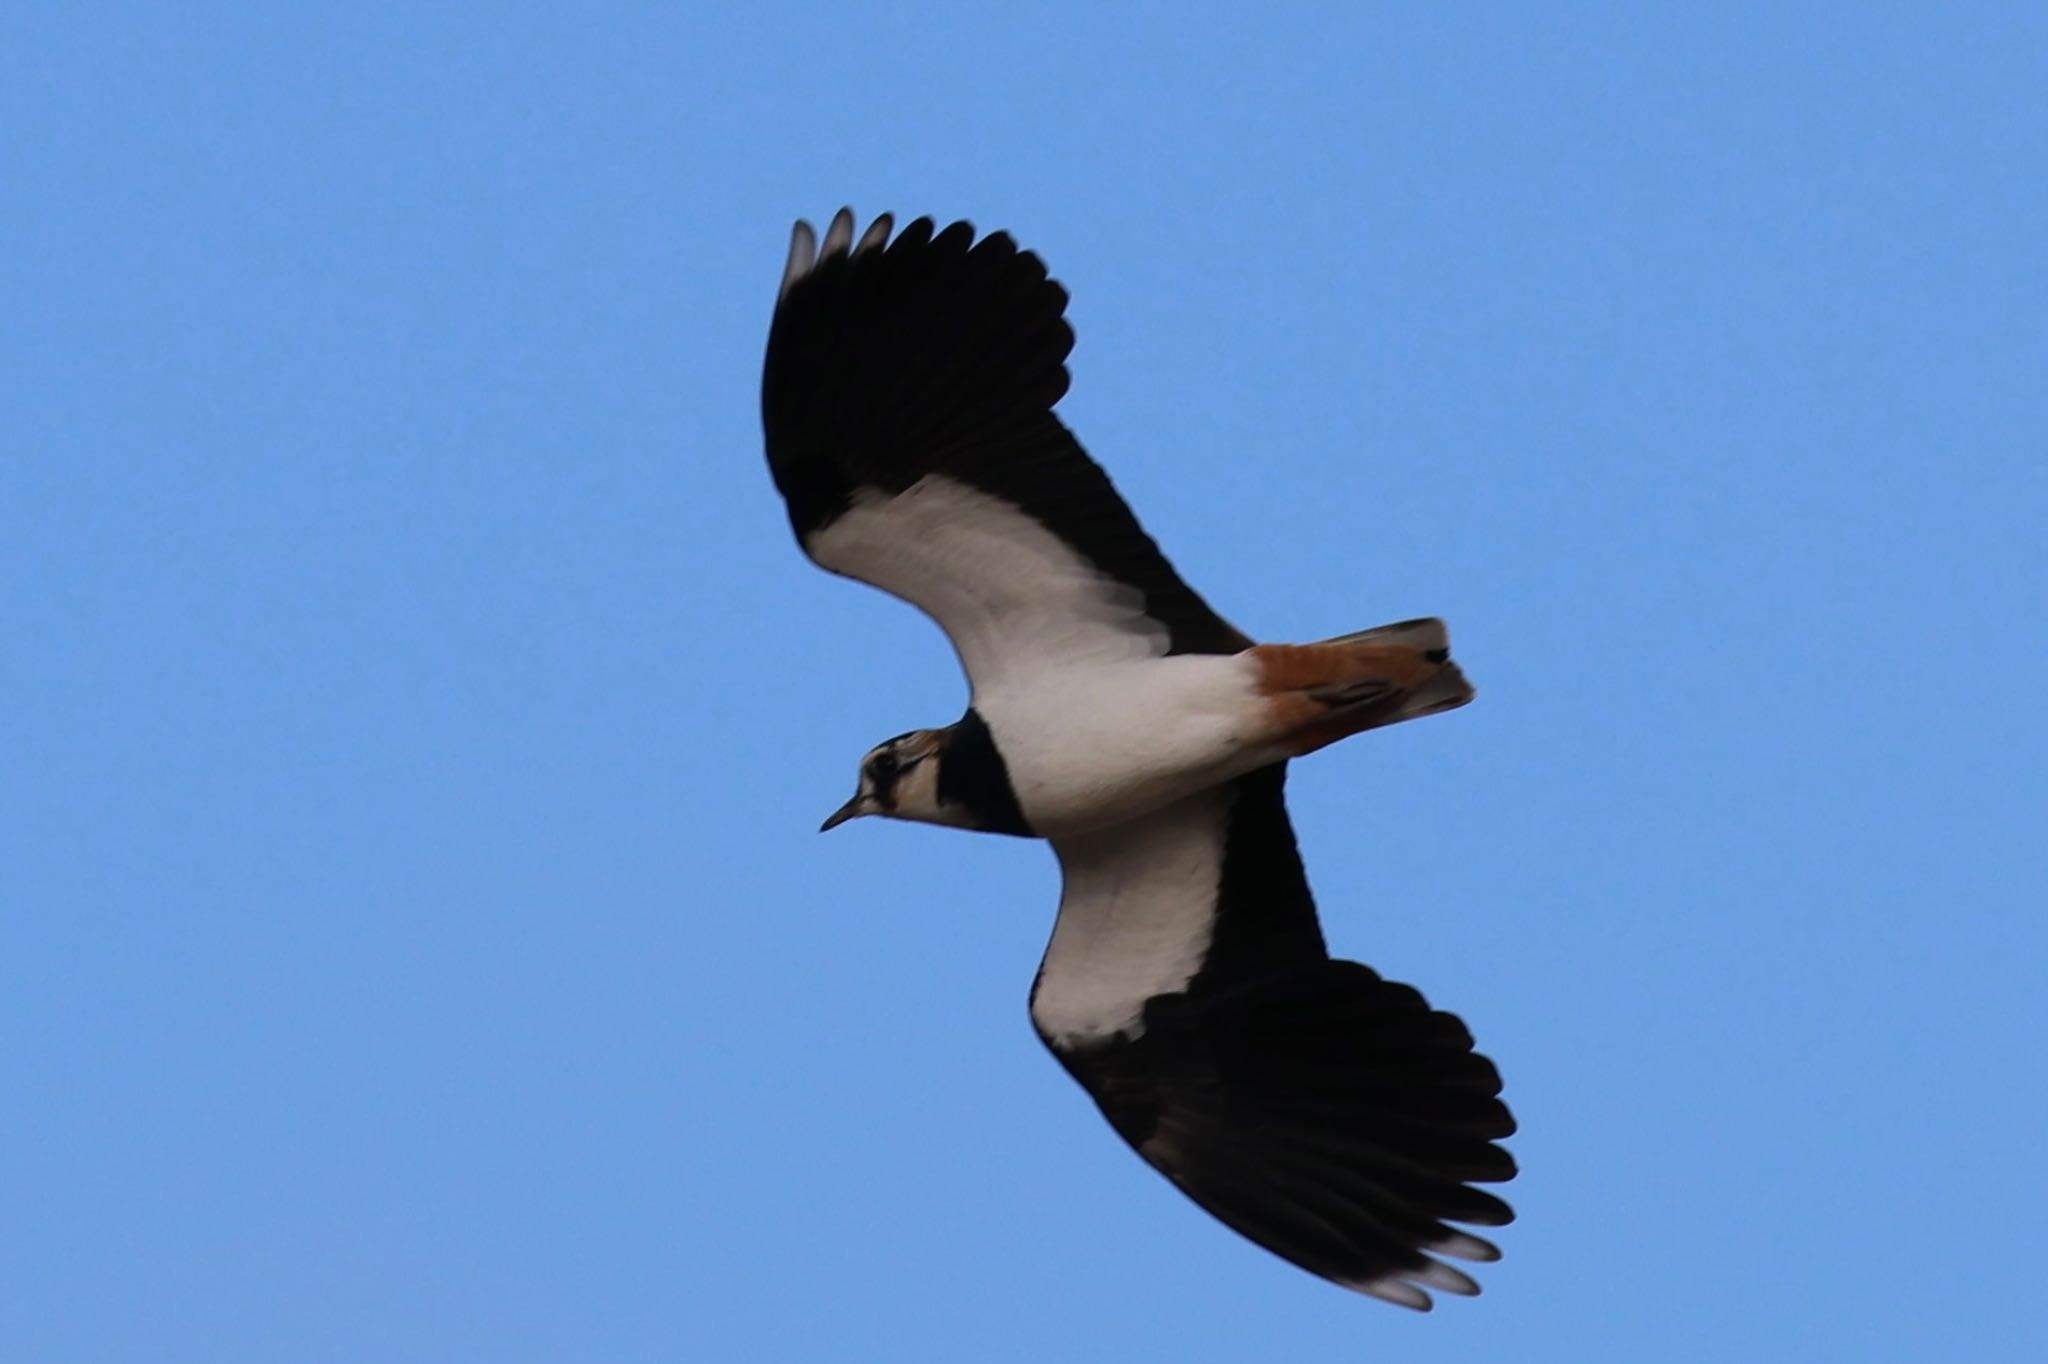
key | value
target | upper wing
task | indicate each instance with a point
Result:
(907, 400)
(1329, 1115)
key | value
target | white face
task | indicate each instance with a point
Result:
(900, 780)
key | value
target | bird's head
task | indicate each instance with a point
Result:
(900, 780)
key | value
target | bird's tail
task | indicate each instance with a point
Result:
(1335, 688)
(1446, 689)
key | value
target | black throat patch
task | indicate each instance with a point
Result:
(973, 776)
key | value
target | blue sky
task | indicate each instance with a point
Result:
(416, 716)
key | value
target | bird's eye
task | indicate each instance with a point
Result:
(883, 768)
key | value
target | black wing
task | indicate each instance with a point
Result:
(907, 400)
(1329, 1115)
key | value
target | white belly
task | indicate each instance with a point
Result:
(1097, 744)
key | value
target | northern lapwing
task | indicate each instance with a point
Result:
(1329, 1115)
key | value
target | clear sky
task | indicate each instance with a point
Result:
(415, 716)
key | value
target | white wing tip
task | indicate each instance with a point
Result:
(1466, 1247)
(1396, 1290)
(1445, 1279)
(877, 234)
(806, 253)
(1404, 1288)
(803, 257)
(838, 235)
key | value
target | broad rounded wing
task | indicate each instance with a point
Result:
(1327, 1114)
(907, 401)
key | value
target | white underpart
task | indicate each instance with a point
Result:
(1095, 723)
(1093, 747)
(1136, 917)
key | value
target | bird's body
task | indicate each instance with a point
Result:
(1327, 1114)
(1093, 746)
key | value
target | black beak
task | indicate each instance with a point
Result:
(853, 809)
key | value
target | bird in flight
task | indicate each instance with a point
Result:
(1325, 1113)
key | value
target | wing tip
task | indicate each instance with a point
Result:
(803, 257)
(838, 235)
(1394, 1289)
(807, 251)
(1292, 1143)
(1465, 1246)
(1408, 1287)
(877, 235)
